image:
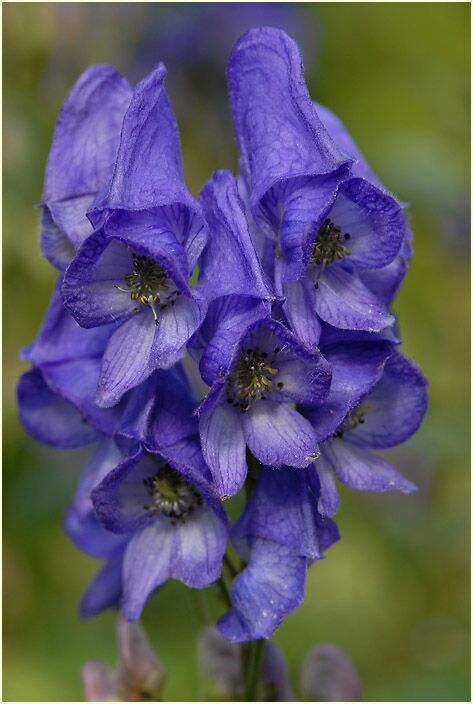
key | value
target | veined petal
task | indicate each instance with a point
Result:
(84, 147)
(360, 469)
(177, 323)
(300, 311)
(105, 590)
(229, 264)
(395, 408)
(344, 302)
(269, 588)
(50, 418)
(277, 434)
(276, 124)
(127, 359)
(329, 499)
(224, 449)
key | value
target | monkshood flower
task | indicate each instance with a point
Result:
(176, 525)
(133, 271)
(279, 533)
(81, 159)
(257, 370)
(327, 221)
(377, 400)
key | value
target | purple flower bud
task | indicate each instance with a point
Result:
(99, 682)
(328, 675)
(221, 661)
(140, 673)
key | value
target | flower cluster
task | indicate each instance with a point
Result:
(275, 369)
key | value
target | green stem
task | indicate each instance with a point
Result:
(224, 592)
(254, 670)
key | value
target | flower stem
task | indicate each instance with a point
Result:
(256, 658)
(225, 594)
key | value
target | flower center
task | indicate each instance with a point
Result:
(170, 494)
(355, 419)
(146, 282)
(328, 246)
(251, 379)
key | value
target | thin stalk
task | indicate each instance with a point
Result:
(254, 670)
(231, 567)
(224, 592)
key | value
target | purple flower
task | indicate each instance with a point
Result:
(256, 369)
(133, 270)
(376, 401)
(81, 159)
(176, 524)
(279, 534)
(327, 223)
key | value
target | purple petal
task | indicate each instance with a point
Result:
(395, 408)
(269, 588)
(329, 499)
(177, 323)
(300, 311)
(385, 282)
(191, 552)
(105, 457)
(277, 434)
(344, 302)
(84, 147)
(360, 469)
(48, 417)
(229, 264)
(228, 320)
(282, 510)
(374, 220)
(127, 359)
(276, 124)
(54, 243)
(105, 590)
(356, 368)
(148, 171)
(90, 536)
(224, 449)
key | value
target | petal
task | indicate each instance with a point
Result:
(374, 220)
(190, 552)
(148, 170)
(89, 289)
(269, 588)
(277, 434)
(104, 458)
(85, 145)
(282, 510)
(356, 368)
(127, 359)
(61, 338)
(395, 408)
(329, 499)
(344, 302)
(48, 417)
(227, 322)
(360, 469)
(54, 243)
(385, 282)
(229, 264)
(105, 590)
(276, 124)
(300, 311)
(177, 323)
(224, 449)
(90, 536)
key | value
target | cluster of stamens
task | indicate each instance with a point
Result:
(355, 419)
(170, 494)
(328, 246)
(252, 378)
(146, 283)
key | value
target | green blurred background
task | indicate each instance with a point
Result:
(394, 593)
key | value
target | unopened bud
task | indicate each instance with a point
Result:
(328, 675)
(274, 684)
(99, 684)
(221, 661)
(140, 672)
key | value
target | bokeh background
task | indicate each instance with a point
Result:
(394, 593)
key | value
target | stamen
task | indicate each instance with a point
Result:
(355, 419)
(328, 247)
(251, 379)
(171, 494)
(146, 283)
